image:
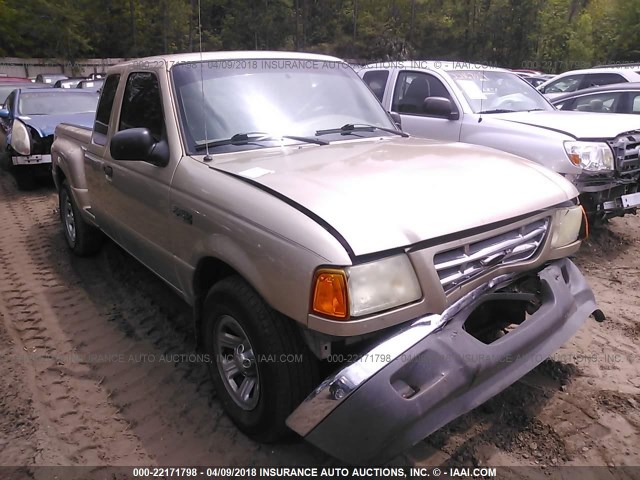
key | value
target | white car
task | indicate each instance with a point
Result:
(592, 77)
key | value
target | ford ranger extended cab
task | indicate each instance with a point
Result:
(314, 239)
(457, 101)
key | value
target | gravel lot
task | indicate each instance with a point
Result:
(94, 368)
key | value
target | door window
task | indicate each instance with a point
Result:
(142, 104)
(600, 102)
(597, 79)
(570, 83)
(411, 90)
(105, 105)
(635, 104)
(377, 82)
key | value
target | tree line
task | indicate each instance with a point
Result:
(554, 35)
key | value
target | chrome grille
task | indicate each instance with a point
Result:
(464, 263)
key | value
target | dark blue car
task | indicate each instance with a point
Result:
(28, 121)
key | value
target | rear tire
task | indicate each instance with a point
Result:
(83, 239)
(259, 363)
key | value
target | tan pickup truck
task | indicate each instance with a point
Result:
(275, 195)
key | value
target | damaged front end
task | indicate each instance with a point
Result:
(30, 146)
(615, 193)
(441, 366)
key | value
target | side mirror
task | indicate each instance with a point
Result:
(397, 119)
(440, 107)
(4, 113)
(137, 144)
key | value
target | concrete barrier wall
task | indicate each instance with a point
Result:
(30, 67)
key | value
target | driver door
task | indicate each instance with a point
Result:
(135, 194)
(411, 89)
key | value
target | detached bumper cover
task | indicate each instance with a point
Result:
(428, 374)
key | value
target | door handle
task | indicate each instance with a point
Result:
(108, 170)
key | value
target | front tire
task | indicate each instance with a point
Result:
(83, 239)
(259, 364)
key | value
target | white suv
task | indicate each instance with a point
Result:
(592, 77)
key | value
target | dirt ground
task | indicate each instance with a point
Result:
(94, 367)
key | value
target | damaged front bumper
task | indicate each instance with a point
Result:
(433, 371)
(614, 193)
(611, 197)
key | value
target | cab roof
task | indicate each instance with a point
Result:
(167, 61)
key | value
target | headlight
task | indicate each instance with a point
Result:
(569, 225)
(21, 138)
(366, 288)
(592, 156)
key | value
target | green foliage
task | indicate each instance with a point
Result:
(555, 34)
(580, 42)
(627, 35)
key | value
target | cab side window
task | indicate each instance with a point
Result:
(377, 82)
(142, 104)
(411, 90)
(105, 105)
(635, 104)
(597, 79)
(569, 83)
(566, 105)
(600, 102)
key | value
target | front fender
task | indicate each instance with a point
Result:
(540, 145)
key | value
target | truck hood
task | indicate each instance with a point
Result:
(579, 125)
(46, 124)
(380, 194)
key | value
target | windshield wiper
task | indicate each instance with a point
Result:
(349, 128)
(497, 110)
(250, 137)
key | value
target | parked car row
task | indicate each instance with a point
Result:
(553, 86)
(54, 78)
(80, 82)
(587, 78)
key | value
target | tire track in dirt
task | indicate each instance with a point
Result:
(155, 380)
(119, 387)
(69, 405)
(104, 397)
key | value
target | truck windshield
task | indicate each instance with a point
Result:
(498, 92)
(220, 99)
(57, 103)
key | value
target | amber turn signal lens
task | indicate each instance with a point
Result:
(330, 294)
(575, 159)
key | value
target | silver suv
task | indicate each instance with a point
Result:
(455, 101)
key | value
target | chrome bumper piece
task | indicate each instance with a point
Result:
(433, 371)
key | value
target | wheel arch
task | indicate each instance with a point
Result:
(209, 271)
(58, 177)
